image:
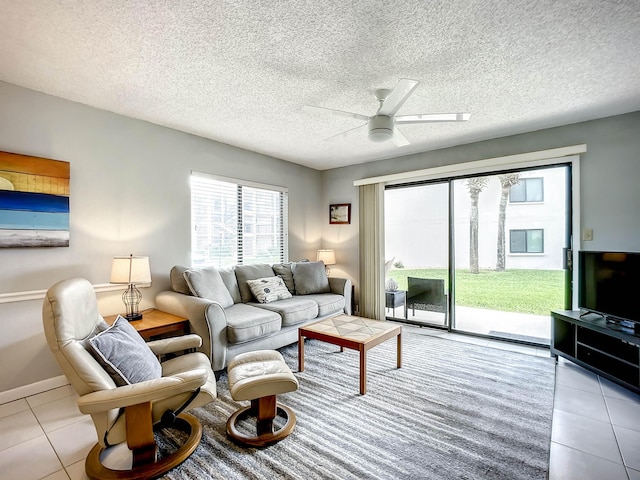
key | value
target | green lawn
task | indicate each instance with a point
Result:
(523, 291)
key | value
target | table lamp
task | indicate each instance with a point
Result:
(328, 257)
(129, 271)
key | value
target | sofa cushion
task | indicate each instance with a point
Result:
(328, 303)
(293, 310)
(178, 283)
(310, 277)
(229, 278)
(251, 272)
(283, 270)
(124, 354)
(270, 289)
(207, 283)
(246, 322)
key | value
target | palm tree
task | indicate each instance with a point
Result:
(507, 181)
(475, 186)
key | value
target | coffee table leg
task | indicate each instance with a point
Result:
(363, 371)
(399, 350)
(300, 353)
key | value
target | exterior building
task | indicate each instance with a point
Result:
(535, 223)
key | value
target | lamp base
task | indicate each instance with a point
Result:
(131, 299)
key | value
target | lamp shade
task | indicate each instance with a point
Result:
(327, 256)
(127, 270)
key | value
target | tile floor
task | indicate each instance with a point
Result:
(595, 433)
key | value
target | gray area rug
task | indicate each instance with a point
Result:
(454, 410)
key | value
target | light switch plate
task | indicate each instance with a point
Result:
(587, 234)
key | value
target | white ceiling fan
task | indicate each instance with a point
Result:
(382, 125)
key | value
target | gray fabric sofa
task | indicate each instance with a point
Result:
(225, 312)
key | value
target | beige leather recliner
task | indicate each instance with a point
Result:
(71, 318)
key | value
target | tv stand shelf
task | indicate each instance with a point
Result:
(593, 344)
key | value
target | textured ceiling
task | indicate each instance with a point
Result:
(239, 72)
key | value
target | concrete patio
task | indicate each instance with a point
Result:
(506, 325)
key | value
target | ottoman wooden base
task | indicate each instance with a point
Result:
(265, 410)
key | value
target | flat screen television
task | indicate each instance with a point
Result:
(609, 284)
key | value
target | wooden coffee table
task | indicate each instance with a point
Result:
(356, 333)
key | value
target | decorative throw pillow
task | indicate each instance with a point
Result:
(269, 289)
(283, 270)
(178, 283)
(251, 272)
(124, 355)
(207, 283)
(230, 281)
(310, 277)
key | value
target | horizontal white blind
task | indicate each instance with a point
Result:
(236, 223)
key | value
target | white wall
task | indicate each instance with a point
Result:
(129, 194)
(609, 175)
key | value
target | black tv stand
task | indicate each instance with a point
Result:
(611, 351)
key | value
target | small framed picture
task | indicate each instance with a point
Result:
(340, 213)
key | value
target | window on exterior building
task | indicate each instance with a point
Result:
(528, 190)
(236, 222)
(526, 241)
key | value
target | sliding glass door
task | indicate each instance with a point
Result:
(511, 233)
(417, 253)
(483, 255)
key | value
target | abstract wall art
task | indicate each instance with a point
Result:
(34, 201)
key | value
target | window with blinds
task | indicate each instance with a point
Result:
(236, 222)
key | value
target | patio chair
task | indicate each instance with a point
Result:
(426, 294)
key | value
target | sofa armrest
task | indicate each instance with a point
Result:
(342, 286)
(206, 318)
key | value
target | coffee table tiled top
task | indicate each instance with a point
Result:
(351, 328)
(351, 332)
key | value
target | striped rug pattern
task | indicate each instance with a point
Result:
(453, 411)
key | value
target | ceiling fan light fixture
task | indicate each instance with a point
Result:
(380, 128)
(380, 135)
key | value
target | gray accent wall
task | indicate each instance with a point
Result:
(129, 194)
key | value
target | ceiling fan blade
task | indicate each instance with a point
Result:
(346, 133)
(340, 113)
(399, 139)
(433, 117)
(397, 97)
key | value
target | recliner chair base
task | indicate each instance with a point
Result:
(147, 466)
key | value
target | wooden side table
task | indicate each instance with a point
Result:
(156, 322)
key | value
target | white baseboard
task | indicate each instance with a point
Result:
(33, 389)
